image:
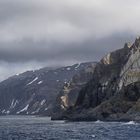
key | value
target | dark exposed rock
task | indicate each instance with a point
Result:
(113, 93)
(69, 94)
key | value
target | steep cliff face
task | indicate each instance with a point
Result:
(113, 92)
(69, 93)
(34, 92)
(104, 83)
(130, 72)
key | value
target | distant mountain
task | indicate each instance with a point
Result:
(113, 93)
(34, 92)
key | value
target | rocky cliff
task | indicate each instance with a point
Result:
(34, 92)
(67, 97)
(113, 93)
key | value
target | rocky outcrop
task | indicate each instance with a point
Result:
(34, 92)
(113, 93)
(70, 91)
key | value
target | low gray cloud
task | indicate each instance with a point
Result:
(89, 50)
(37, 33)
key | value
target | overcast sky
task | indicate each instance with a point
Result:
(38, 33)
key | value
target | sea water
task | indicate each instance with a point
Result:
(42, 128)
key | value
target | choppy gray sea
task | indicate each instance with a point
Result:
(42, 128)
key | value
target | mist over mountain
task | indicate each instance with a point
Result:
(37, 34)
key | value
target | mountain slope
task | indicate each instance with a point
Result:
(34, 92)
(67, 97)
(113, 93)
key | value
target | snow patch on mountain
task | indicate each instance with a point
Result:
(24, 109)
(46, 109)
(42, 102)
(78, 65)
(14, 103)
(68, 68)
(40, 82)
(36, 111)
(32, 81)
